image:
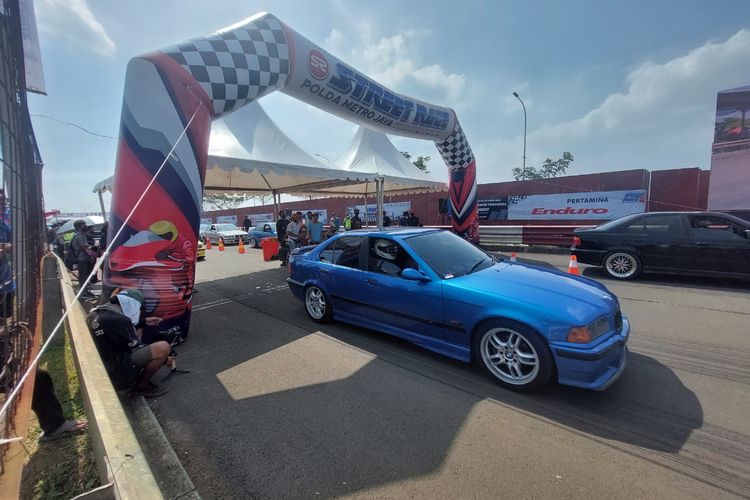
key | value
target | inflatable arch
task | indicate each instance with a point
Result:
(179, 90)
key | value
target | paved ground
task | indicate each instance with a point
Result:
(277, 406)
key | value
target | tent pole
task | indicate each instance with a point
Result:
(275, 206)
(366, 186)
(101, 205)
(380, 209)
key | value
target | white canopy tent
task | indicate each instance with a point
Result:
(263, 159)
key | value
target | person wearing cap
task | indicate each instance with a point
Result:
(84, 254)
(129, 362)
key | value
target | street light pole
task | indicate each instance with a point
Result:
(523, 171)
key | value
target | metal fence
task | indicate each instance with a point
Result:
(23, 211)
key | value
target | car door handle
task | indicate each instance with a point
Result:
(324, 272)
(639, 242)
(372, 281)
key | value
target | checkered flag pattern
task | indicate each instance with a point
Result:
(455, 149)
(235, 67)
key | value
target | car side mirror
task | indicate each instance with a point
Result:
(413, 275)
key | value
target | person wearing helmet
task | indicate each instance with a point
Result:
(85, 256)
(129, 362)
(385, 253)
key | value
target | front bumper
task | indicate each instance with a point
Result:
(594, 368)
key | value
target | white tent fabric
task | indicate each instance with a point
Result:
(265, 160)
(372, 151)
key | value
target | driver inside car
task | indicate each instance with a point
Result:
(384, 255)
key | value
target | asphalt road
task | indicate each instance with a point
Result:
(277, 406)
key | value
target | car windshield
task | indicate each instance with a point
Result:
(204, 227)
(226, 227)
(449, 255)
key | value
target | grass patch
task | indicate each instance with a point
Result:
(63, 468)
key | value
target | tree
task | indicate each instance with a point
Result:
(420, 162)
(221, 201)
(550, 168)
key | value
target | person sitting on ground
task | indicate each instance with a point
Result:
(49, 411)
(130, 363)
(315, 228)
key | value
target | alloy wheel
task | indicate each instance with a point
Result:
(315, 302)
(510, 356)
(621, 265)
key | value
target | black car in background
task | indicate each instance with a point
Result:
(698, 243)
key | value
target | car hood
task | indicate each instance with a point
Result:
(564, 295)
(232, 233)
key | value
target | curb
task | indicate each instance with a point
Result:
(169, 473)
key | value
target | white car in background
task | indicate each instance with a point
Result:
(230, 233)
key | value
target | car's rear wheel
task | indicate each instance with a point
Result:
(253, 243)
(622, 265)
(514, 355)
(317, 305)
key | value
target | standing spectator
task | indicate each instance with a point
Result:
(404, 220)
(103, 238)
(7, 284)
(292, 232)
(356, 221)
(84, 254)
(281, 225)
(386, 220)
(413, 219)
(347, 222)
(308, 217)
(315, 228)
(335, 223)
(48, 410)
(247, 224)
(304, 237)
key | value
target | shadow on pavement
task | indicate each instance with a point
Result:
(273, 408)
(681, 281)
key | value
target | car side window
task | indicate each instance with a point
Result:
(386, 256)
(266, 228)
(343, 251)
(714, 228)
(635, 227)
(259, 228)
(662, 225)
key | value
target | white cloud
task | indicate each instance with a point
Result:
(74, 21)
(396, 62)
(664, 117)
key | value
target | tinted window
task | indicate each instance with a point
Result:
(662, 225)
(386, 256)
(449, 255)
(259, 228)
(715, 228)
(343, 251)
(226, 227)
(635, 227)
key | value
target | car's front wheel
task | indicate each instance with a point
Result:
(317, 305)
(514, 355)
(622, 265)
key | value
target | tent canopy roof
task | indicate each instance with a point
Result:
(269, 161)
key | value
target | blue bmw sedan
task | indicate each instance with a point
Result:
(524, 325)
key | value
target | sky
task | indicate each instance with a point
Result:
(620, 84)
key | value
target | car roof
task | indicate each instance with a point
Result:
(398, 231)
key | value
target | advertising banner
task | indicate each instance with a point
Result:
(605, 205)
(494, 209)
(206, 220)
(226, 219)
(258, 218)
(392, 210)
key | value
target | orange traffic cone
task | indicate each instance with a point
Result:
(208, 244)
(573, 266)
(513, 257)
(241, 248)
(221, 244)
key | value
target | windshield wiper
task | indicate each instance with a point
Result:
(475, 266)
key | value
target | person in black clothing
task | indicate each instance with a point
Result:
(84, 253)
(386, 220)
(129, 362)
(413, 220)
(247, 223)
(356, 221)
(281, 225)
(404, 220)
(48, 410)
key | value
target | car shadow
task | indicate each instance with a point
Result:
(279, 406)
(676, 280)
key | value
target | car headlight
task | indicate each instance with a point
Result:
(585, 334)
